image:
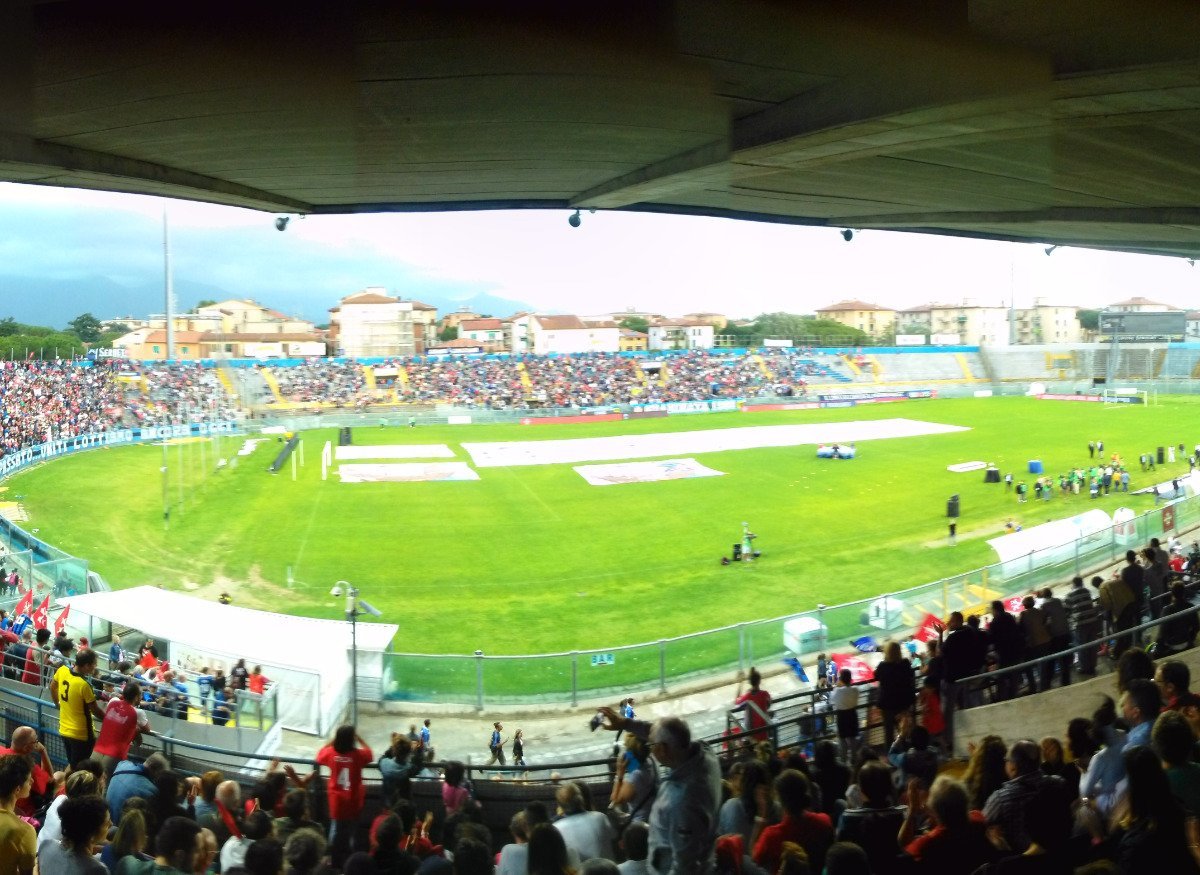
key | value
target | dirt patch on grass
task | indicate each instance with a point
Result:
(253, 591)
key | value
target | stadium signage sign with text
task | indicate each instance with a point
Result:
(1112, 399)
(64, 446)
(686, 406)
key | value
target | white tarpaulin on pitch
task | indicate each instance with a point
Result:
(717, 440)
(308, 658)
(1051, 542)
(406, 472)
(394, 451)
(645, 472)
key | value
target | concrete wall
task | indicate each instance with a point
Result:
(1046, 713)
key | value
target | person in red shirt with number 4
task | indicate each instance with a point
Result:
(345, 757)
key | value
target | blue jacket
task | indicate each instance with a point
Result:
(127, 781)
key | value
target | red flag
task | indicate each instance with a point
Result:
(60, 622)
(41, 617)
(25, 605)
(1015, 604)
(931, 626)
(859, 670)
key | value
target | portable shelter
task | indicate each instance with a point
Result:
(308, 658)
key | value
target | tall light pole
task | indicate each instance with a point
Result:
(353, 607)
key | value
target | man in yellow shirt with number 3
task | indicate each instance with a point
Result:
(76, 701)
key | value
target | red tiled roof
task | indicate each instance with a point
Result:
(480, 325)
(560, 323)
(845, 306)
(368, 298)
(457, 343)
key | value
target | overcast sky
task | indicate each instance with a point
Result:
(664, 264)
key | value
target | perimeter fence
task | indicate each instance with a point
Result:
(653, 667)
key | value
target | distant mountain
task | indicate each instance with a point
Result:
(55, 302)
(482, 303)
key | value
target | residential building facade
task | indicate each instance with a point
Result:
(680, 334)
(570, 334)
(489, 333)
(369, 324)
(873, 319)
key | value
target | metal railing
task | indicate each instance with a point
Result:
(971, 692)
(480, 680)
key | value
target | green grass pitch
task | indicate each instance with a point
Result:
(534, 560)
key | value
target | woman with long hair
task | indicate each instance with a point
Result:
(750, 792)
(345, 756)
(1151, 836)
(986, 770)
(131, 837)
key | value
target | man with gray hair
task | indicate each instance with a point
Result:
(683, 818)
(228, 805)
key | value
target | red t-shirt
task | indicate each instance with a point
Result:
(41, 780)
(118, 729)
(346, 792)
(754, 720)
(34, 657)
(812, 831)
(257, 683)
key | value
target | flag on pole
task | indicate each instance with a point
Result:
(60, 622)
(41, 617)
(25, 605)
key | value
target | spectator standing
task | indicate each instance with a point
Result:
(843, 701)
(756, 703)
(239, 676)
(123, 723)
(345, 757)
(1059, 625)
(897, 692)
(76, 701)
(1009, 643)
(1120, 604)
(683, 818)
(1037, 642)
(496, 742)
(1087, 623)
(204, 682)
(963, 652)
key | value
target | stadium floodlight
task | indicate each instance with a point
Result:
(281, 223)
(1050, 249)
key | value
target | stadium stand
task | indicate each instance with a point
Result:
(908, 367)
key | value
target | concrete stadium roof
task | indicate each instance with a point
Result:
(1074, 122)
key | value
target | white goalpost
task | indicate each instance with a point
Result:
(326, 460)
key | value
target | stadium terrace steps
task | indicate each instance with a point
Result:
(226, 382)
(910, 367)
(273, 384)
(369, 378)
(762, 366)
(526, 380)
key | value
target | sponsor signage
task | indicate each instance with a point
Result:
(1112, 399)
(1143, 327)
(65, 446)
(875, 397)
(687, 406)
(911, 340)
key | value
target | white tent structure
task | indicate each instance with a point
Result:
(1052, 542)
(309, 659)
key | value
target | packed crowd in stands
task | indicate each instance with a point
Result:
(42, 401)
(600, 379)
(1117, 791)
(338, 382)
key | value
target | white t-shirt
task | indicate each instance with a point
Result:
(843, 698)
